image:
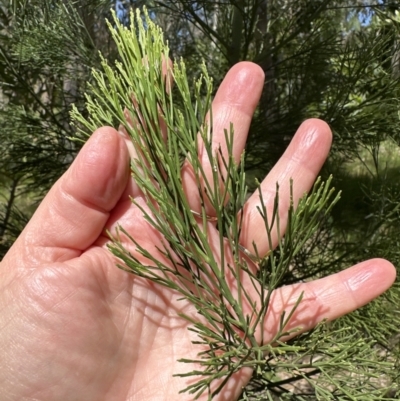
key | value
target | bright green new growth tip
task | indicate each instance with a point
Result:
(224, 325)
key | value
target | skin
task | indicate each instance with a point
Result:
(74, 327)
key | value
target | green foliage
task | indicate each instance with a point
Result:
(46, 49)
(336, 362)
(320, 60)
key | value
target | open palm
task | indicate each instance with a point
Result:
(74, 327)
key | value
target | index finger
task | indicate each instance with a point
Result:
(234, 104)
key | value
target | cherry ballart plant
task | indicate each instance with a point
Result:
(229, 286)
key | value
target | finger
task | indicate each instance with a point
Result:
(301, 162)
(74, 212)
(329, 297)
(234, 103)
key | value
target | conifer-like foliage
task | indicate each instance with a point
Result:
(333, 59)
(46, 53)
(228, 315)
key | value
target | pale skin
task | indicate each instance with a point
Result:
(75, 327)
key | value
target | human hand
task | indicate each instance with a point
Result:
(74, 327)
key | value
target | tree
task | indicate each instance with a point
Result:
(320, 59)
(47, 50)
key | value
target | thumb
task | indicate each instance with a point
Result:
(74, 212)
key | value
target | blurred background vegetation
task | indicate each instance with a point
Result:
(338, 60)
